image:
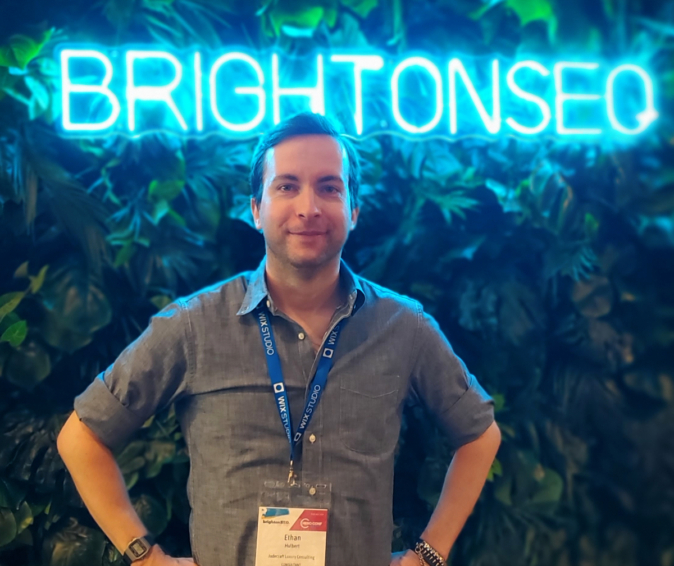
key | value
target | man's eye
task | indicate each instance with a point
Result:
(330, 189)
(285, 188)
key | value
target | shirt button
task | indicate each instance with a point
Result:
(301, 335)
(312, 438)
(268, 304)
(312, 490)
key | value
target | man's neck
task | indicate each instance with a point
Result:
(304, 291)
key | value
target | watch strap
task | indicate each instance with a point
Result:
(138, 548)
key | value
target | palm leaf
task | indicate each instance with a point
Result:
(80, 215)
(575, 259)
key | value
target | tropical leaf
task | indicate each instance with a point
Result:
(361, 7)
(292, 15)
(574, 259)
(151, 512)
(120, 12)
(79, 215)
(24, 517)
(9, 302)
(40, 99)
(163, 191)
(75, 298)
(532, 10)
(15, 334)
(19, 50)
(37, 281)
(8, 527)
(27, 365)
(454, 203)
(594, 296)
(74, 545)
(124, 254)
(495, 470)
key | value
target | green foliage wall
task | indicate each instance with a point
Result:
(550, 267)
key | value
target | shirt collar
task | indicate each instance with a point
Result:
(257, 289)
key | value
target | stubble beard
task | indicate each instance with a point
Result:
(310, 262)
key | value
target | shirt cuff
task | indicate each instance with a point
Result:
(105, 415)
(473, 413)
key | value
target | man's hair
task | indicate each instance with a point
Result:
(303, 124)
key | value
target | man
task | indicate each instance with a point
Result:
(214, 355)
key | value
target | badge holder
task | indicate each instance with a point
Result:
(292, 524)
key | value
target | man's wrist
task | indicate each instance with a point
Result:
(138, 550)
(150, 557)
(428, 554)
(438, 540)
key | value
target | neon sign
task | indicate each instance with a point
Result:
(239, 94)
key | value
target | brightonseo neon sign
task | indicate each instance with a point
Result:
(137, 90)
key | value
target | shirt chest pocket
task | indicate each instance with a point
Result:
(369, 415)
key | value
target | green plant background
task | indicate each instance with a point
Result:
(550, 267)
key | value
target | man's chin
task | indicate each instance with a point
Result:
(310, 261)
(305, 257)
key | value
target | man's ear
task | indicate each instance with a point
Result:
(354, 217)
(255, 209)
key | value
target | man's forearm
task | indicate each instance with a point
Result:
(99, 482)
(463, 484)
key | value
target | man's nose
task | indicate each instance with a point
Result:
(308, 203)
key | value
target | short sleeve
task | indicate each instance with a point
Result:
(147, 376)
(459, 404)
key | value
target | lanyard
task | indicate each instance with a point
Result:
(278, 383)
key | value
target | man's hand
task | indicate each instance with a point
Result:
(157, 557)
(409, 558)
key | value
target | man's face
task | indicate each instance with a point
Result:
(305, 209)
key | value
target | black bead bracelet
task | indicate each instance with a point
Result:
(428, 553)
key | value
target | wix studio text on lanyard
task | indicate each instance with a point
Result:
(278, 383)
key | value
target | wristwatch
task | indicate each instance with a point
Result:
(138, 548)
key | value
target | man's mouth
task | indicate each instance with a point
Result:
(308, 233)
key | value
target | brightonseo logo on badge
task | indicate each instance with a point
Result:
(239, 94)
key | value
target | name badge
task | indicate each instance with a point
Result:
(291, 536)
(292, 523)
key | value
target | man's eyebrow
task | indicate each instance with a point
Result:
(327, 178)
(285, 177)
(323, 179)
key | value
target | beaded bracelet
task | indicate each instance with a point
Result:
(428, 554)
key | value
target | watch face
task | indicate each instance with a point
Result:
(137, 548)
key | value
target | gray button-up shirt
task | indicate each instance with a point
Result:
(204, 352)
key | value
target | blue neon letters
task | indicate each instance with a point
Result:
(255, 90)
(68, 88)
(239, 94)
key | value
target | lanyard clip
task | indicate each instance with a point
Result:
(291, 475)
